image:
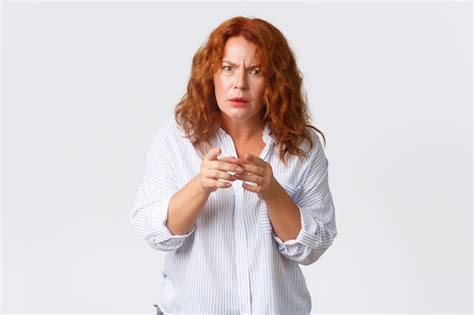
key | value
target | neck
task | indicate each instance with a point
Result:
(242, 131)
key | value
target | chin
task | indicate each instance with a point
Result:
(237, 116)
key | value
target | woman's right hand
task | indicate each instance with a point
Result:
(213, 169)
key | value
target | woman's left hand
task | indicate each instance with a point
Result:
(259, 172)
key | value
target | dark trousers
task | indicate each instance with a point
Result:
(158, 310)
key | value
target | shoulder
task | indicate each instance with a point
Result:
(168, 127)
(317, 148)
(167, 132)
(315, 166)
(316, 163)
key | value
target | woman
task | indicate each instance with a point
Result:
(236, 228)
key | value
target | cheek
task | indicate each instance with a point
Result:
(260, 91)
(219, 87)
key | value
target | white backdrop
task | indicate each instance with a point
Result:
(85, 86)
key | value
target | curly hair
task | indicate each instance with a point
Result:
(285, 104)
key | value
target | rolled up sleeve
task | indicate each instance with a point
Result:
(318, 221)
(150, 211)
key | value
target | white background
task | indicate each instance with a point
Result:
(85, 86)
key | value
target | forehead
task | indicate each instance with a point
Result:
(238, 49)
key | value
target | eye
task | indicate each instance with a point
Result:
(256, 71)
(225, 67)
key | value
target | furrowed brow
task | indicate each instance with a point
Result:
(233, 64)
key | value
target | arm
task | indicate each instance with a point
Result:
(316, 214)
(162, 215)
(185, 207)
(284, 215)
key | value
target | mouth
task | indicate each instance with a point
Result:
(238, 101)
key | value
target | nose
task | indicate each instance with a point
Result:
(241, 80)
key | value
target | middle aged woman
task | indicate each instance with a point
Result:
(236, 228)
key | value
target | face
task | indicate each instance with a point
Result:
(239, 77)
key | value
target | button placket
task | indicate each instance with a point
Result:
(240, 234)
(240, 194)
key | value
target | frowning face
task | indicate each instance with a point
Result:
(239, 85)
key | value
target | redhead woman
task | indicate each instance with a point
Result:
(236, 181)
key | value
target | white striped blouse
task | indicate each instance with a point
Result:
(231, 261)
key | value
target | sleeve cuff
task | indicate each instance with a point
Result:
(303, 238)
(309, 234)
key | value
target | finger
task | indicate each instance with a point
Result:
(253, 164)
(213, 165)
(255, 160)
(225, 185)
(252, 188)
(249, 178)
(253, 169)
(235, 168)
(212, 154)
(228, 165)
(212, 183)
(217, 174)
(230, 159)
(222, 184)
(242, 161)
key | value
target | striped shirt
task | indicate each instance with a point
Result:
(231, 261)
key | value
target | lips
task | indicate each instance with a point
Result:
(239, 99)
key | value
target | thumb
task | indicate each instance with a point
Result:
(213, 153)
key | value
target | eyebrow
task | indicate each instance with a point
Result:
(233, 64)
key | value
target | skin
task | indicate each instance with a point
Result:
(239, 76)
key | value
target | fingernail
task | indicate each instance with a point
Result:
(239, 169)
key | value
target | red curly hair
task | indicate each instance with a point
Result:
(285, 105)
